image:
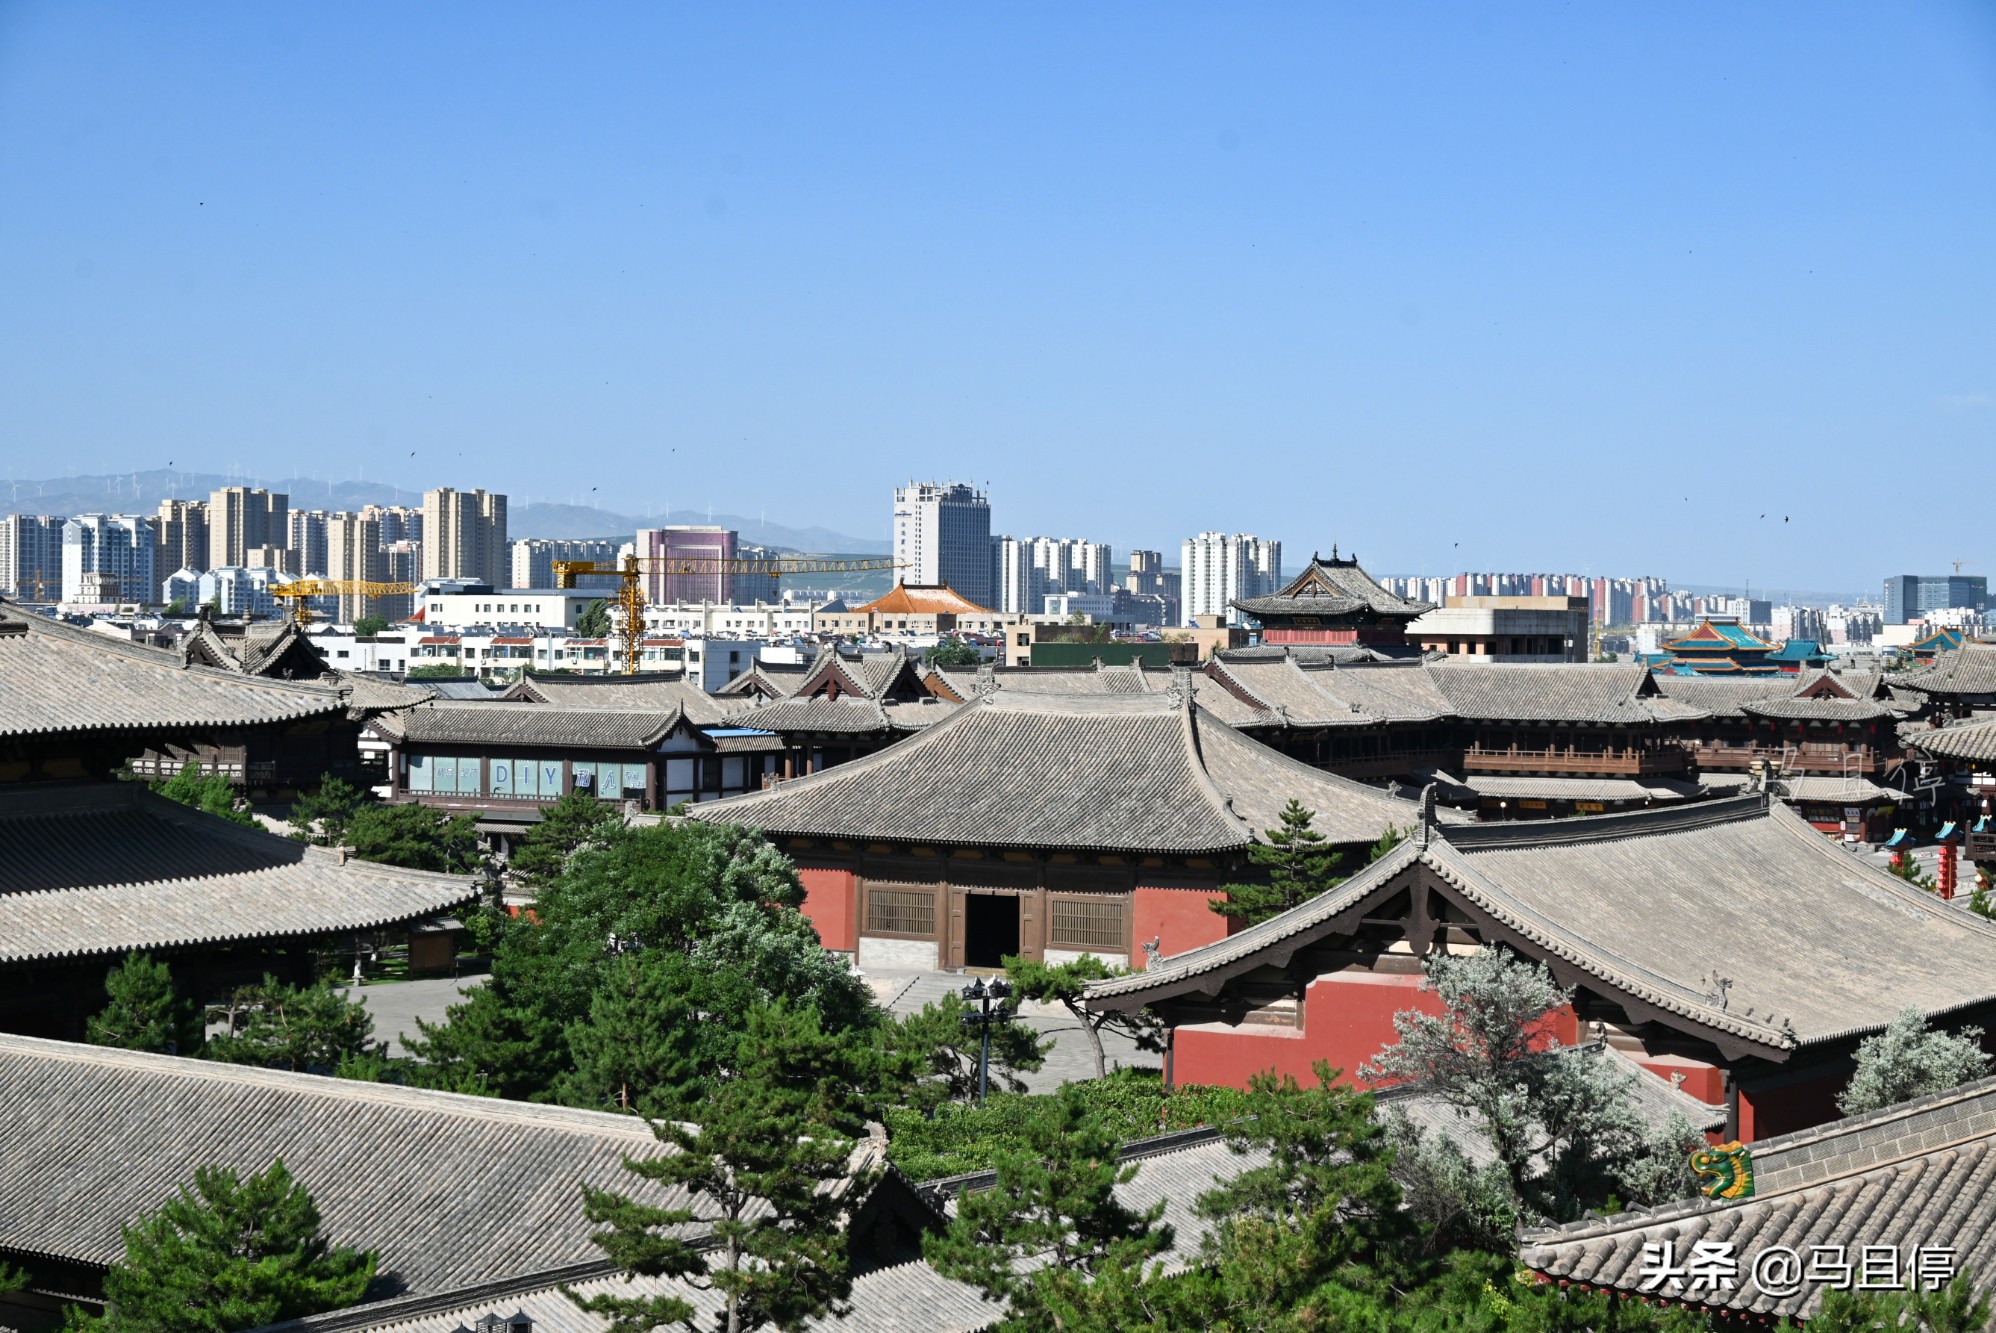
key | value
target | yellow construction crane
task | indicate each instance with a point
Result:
(298, 591)
(631, 569)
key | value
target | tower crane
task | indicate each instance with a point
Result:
(630, 594)
(298, 591)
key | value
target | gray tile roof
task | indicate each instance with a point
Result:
(56, 678)
(909, 1297)
(1914, 1175)
(1610, 896)
(1969, 669)
(1114, 773)
(452, 1190)
(1851, 790)
(1531, 692)
(648, 693)
(102, 868)
(449, 722)
(782, 677)
(368, 694)
(1817, 710)
(1972, 741)
(1723, 696)
(847, 715)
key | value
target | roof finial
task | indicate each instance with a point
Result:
(1427, 815)
(1334, 551)
(1181, 685)
(987, 680)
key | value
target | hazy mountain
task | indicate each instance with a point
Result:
(141, 492)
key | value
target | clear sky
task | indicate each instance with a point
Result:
(1512, 285)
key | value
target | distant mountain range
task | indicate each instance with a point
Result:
(141, 492)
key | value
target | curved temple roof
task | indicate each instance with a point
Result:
(1612, 901)
(1134, 773)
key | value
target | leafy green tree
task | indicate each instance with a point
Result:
(174, 609)
(1065, 984)
(1909, 1059)
(594, 622)
(415, 837)
(1300, 865)
(437, 671)
(211, 795)
(368, 626)
(1051, 1223)
(769, 1165)
(951, 651)
(943, 1054)
(228, 1254)
(575, 821)
(325, 816)
(313, 1029)
(720, 895)
(1562, 1128)
(145, 1013)
(658, 1025)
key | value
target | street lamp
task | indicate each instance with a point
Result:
(981, 995)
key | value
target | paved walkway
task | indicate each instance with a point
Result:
(396, 1005)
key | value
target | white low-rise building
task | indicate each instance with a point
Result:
(760, 620)
(507, 608)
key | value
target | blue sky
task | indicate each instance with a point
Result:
(1496, 286)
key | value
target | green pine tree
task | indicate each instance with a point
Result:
(145, 1013)
(325, 816)
(310, 1029)
(575, 821)
(415, 837)
(941, 1054)
(1300, 866)
(1051, 1224)
(229, 1254)
(769, 1165)
(1065, 984)
(594, 622)
(212, 795)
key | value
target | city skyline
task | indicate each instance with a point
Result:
(1635, 274)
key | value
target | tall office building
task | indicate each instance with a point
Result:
(240, 517)
(681, 568)
(1219, 570)
(31, 557)
(942, 534)
(353, 554)
(534, 557)
(307, 539)
(180, 536)
(1911, 596)
(464, 536)
(108, 558)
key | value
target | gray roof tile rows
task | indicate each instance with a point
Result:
(645, 694)
(1331, 588)
(848, 715)
(1920, 1174)
(1532, 692)
(57, 678)
(1577, 789)
(452, 1190)
(1614, 896)
(1972, 741)
(105, 868)
(1969, 669)
(1113, 773)
(783, 677)
(451, 722)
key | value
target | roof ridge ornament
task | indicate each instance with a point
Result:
(987, 680)
(1427, 815)
(1181, 685)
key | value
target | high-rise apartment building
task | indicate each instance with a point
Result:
(534, 557)
(353, 554)
(1149, 578)
(1910, 597)
(399, 523)
(1218, 570)
(464, 536)
(942, 534)
(1031, 569)
(307, 538)
(31, 557)
(108, 554)
(240, 517)
(180, 536)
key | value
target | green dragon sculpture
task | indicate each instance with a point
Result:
(1726, 1172)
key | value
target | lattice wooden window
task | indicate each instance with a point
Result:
(901, 912)
(1089, 923)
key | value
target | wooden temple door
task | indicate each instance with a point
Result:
(1032, 905)
(953, 927)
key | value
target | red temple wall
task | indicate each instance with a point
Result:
(1767, 1111)
(830, 901)
(1177, 917)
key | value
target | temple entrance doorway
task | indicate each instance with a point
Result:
(990, 928)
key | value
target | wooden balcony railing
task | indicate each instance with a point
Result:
(1633, 761)
(1815, 757)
